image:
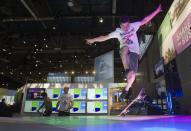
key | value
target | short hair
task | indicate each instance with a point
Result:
(3, 100)
(44, 94)
(124, 19)
(66, 87)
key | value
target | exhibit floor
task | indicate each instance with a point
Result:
(96, 123)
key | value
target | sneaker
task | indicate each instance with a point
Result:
(126, 94)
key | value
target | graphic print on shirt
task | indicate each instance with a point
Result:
(127, 35)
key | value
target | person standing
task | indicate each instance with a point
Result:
(64, 103)
(47, 104)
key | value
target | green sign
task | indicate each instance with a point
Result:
(164, 29)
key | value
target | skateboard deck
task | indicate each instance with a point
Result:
(140, 96)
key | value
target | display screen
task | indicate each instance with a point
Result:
(32, 106)
(78, 107)
(104, 67)
(54, 103)
(78, 93)
(35, 93)
(97, 106)
(97, 94)
(54, 93)
(159, 68)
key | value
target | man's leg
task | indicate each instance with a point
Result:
(124, 53)
(130, 80)
(125, 57)
(133, 65)
(46, 113)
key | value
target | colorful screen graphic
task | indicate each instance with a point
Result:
(104, 67)
(97, 94)
(79, 107)
(54, 103)
(35, 93)
(78, 93)
(55, 93)
(97, 107)
(32, 106)
(159, 68)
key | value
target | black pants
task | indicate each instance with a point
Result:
(63, 113)
(47, 113)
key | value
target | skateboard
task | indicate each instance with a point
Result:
(140, 96)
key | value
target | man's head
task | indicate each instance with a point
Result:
(44, 95)
(66, 89)
(3, 100)
(124, 23)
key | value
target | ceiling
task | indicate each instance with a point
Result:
(42, 36)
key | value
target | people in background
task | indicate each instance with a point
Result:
(47, 104)
(64, 103)
(4, 109)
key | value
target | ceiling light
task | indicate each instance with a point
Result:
(4, 50)
(93, 72)
(36, 65)
(70, 3)
(101, 20)
(44, 39)
(86, 72)
(46, 46)
(72, 72)
(35, 45)
(54, 28)
(24, 42)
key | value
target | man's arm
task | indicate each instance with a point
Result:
(58, 103)
(40, 107)
(151, 16)
(97, 39)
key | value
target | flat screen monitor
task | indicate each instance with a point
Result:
(35, 93)
(79, 107)
(159, 68)
(54, 93)
(78, 93)
(97, 94)
(32, 106)
(97, 107)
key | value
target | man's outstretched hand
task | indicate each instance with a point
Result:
(89, 41)
(159, 9)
